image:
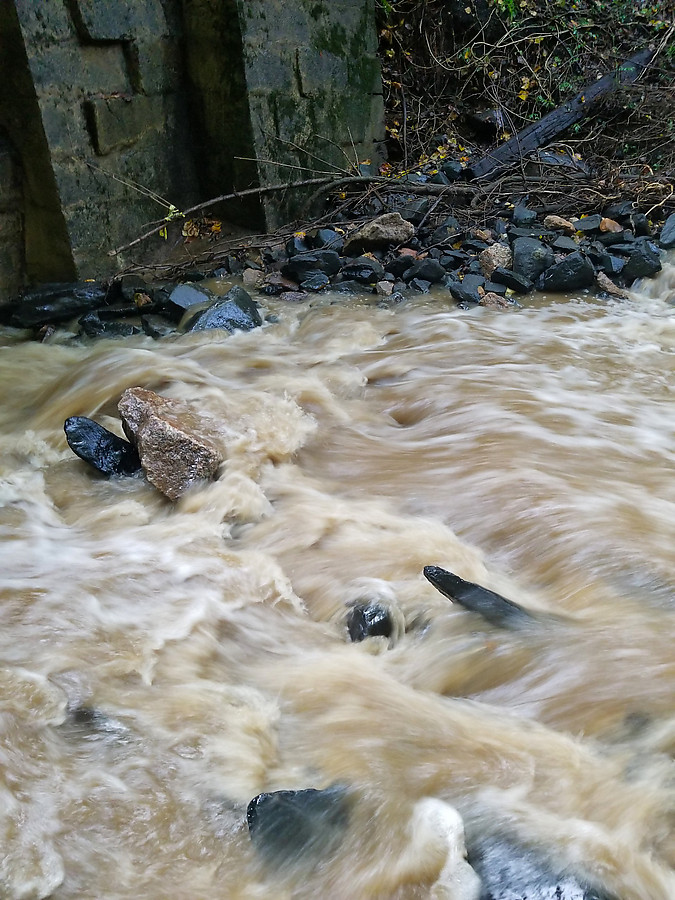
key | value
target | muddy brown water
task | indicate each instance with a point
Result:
(532, 451)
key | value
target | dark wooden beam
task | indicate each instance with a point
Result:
(542, 132)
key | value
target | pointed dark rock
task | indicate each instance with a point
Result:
(492, 607)
(102, 449)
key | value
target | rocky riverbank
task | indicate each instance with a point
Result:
(393, 256)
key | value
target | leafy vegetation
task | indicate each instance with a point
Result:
(461, 75)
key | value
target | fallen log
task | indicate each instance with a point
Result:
(543, 131)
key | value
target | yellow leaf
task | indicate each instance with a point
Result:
(523, 95)
(163, 233)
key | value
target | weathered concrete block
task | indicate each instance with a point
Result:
(116, 20)
(117, 122)
(319, 71)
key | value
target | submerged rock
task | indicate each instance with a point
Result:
(174, 444)
(512, 872)
(291, 826)
(368, 620)
(102, 449)
(491, 606)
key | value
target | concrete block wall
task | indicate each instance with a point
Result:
(107, 102)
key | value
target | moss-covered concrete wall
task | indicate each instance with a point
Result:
(106, 104)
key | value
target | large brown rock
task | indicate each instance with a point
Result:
(390, 228)
(176, 445)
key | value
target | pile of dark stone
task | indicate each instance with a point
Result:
(392, 256)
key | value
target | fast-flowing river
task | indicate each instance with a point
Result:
(162, 664)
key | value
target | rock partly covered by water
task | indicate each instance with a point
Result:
(57, 303)
(175, 445)
(236, 311)
(102, 449)
(287, 827)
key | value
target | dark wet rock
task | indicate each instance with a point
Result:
(643, 262)
(297, 244)
(327, 239)
(612, 265)
(303, 264)
(236, 311)
(565, 244)
(640, 224)
(531, 257)
(623, 247)
(448, 232)
(368, 620)
(363, 269)
(621, 211)
(220, 272)
(511, 279)
(572, 273)
(415, 209)
(157, 327)
(317, 281)
(523, 216)
(102, 449)
(130, 285)
(609, 238)
(491, 287)
(184, 296)
(514, 232)
(351, 287)
(392, 300)
(466, 291)
(453, 259)
(293, 296)
(52, 303)
(492, 607)
(93, 326)
(512, 872)
(176, 445)
(400, 264)
(667, 238)
(86, 723)
(420, 285)
(427, 269)
(388, 229)
(588, 224)
(439, 178)
(452, 169)
(289, 827)
(473, 245)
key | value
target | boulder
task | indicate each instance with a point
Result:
(301, 265)
(531, 257)
(326, 238)
(57, 303)
(427, 269)
(102, 449)
(183, 296)
(643, 261)
(467, 290)
(588, 224)
(667, 239)
(509, 870)
(177, 447)
(523, 216)
(571, 274)
(317, 281)
(236, 311)
(287, 827)
(388, 229)
(363, 269)
(368, 620)
(493, 257)
(511, 279)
